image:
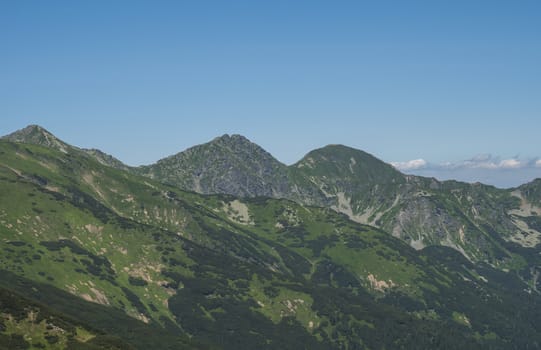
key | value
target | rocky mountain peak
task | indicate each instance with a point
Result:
(28, 133)
(35, 134)
(229, 164)
(239, 145)
(38, 135)
(233, 138)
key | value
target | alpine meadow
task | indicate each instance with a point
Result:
(223, 247)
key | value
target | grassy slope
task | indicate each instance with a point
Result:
(261, 272)
(421, 211)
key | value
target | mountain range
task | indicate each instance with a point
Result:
(223, 246)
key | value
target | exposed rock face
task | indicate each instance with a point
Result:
(231, 165)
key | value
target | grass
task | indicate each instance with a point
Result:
(283, 302)
(37, 334)
(77, 226)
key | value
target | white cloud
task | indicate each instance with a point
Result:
(487, 161)
(480, 162)
(511, 164)
(410, 165)
(484, 168)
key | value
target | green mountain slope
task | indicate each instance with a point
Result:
(226, 272)
(38, 315)
(36, 135)
(471, 218)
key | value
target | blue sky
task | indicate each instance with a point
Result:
(441, 81)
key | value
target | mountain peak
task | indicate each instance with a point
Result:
(29, 131)
(337, 161)
(232, 137)
(231, 140)
(35, 134)
(229, 164)
(340, 151)
(236, 146)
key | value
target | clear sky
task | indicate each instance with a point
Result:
(441, 81)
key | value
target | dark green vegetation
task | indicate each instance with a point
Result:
(97, 257)
(43, 316)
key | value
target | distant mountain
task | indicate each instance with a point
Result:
(227, 164)
(231, 164)
(95, 257)
(347, 167)
(475, 219)
(37, 135)
(421, 211)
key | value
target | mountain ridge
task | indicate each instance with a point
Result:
(421, 211)
(21, 136)
(258, 272)
(235, 272)
(38, 135)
